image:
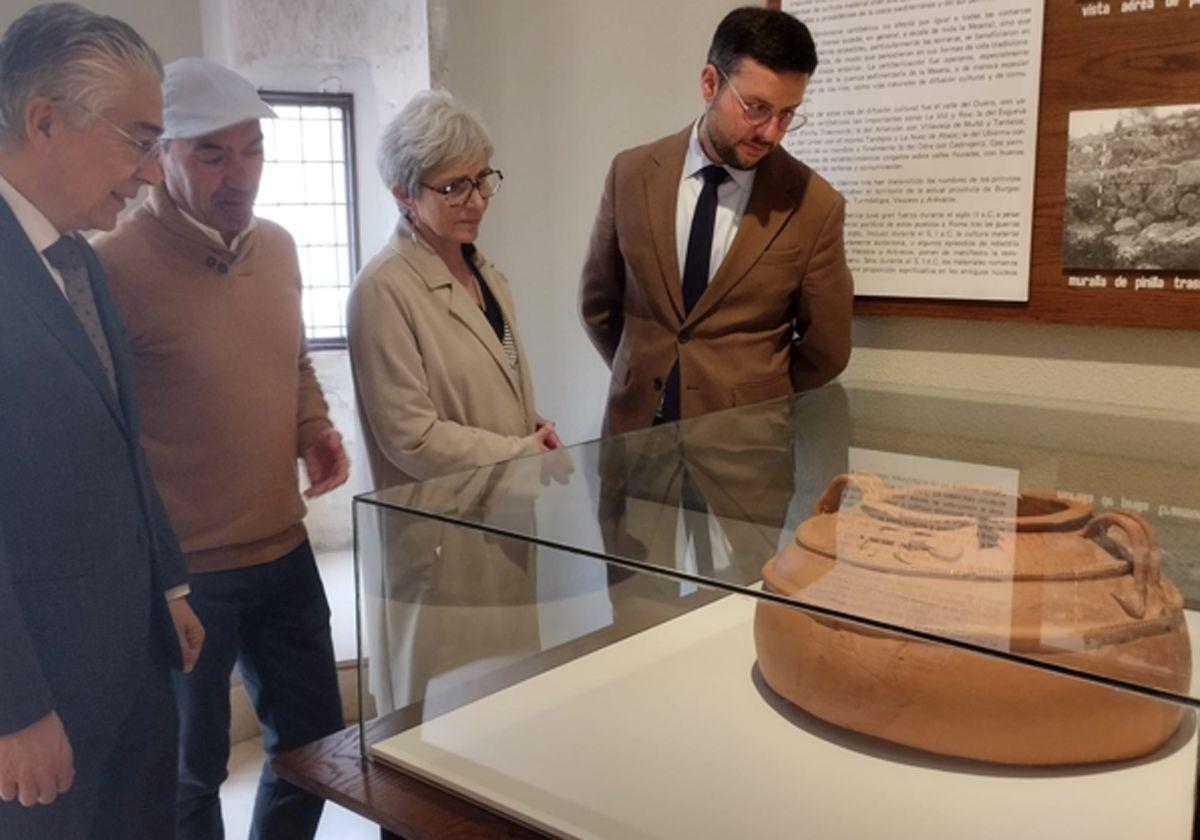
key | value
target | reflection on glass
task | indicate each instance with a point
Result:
(1030, 574)
(843, 595)
(710, 499)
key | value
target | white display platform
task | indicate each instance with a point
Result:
(672, 734)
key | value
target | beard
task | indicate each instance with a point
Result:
(726, 151)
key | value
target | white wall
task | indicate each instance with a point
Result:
(1131, 367)
(172, 27)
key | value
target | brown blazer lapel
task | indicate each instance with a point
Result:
(775, 197)
(662, 194)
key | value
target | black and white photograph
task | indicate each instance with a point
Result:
(1133, 189)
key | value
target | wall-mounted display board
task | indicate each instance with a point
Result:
(955, 211)
(926, 120)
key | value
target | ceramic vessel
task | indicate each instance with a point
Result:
(1035, 576)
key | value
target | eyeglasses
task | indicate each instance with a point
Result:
(147, 150)
(789, 119)
(458, 192)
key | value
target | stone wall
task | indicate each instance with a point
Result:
(1133, 197)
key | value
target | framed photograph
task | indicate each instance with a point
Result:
(1133, 189)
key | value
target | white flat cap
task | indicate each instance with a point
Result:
(201, 96)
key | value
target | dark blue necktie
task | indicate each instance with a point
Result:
(695, 269)
(699, 247)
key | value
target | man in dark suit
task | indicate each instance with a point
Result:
(93, 588)
(716, 274)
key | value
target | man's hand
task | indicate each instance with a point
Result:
(189, 630)
(36, 763)
(326, 463)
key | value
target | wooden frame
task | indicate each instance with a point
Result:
(1118, 60)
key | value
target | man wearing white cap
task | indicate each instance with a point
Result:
(210, 297)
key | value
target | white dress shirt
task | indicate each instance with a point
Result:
(732, 196)
(215, 235)
(731, 203)
(42, 234)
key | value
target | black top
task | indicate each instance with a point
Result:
(491, 307)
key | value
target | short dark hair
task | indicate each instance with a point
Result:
(775, 39)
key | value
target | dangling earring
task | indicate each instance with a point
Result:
(409, 215)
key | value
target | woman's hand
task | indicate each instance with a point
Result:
(552, 441)
(545, 438)
(556, 467)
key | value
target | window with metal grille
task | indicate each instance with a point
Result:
(308, 188)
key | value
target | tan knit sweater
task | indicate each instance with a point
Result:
(228, 395)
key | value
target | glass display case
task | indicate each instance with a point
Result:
(857, 612)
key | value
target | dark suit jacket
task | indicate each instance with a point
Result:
(86, 553)
(775, 318)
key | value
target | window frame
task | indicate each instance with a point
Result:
(345, 103)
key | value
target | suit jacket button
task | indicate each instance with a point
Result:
(211, 262)
(222, 268)
(685, 337)
(658, 383)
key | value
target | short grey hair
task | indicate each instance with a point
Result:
(67, 53)
(432, 131)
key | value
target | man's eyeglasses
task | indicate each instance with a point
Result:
(757, 114)
(458, 192)
(148, 151)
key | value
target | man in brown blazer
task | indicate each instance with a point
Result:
(716, 274)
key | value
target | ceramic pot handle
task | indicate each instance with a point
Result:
(868, 487)
(1143, 554)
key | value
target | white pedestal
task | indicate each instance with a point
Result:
(671, 734)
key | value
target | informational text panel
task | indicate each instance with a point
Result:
(1099, 156)
(924, 115)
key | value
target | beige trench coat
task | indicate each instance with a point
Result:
(435, 390)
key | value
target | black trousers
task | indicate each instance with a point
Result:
(272, 621)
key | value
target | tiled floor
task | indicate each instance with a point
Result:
(237, 801)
